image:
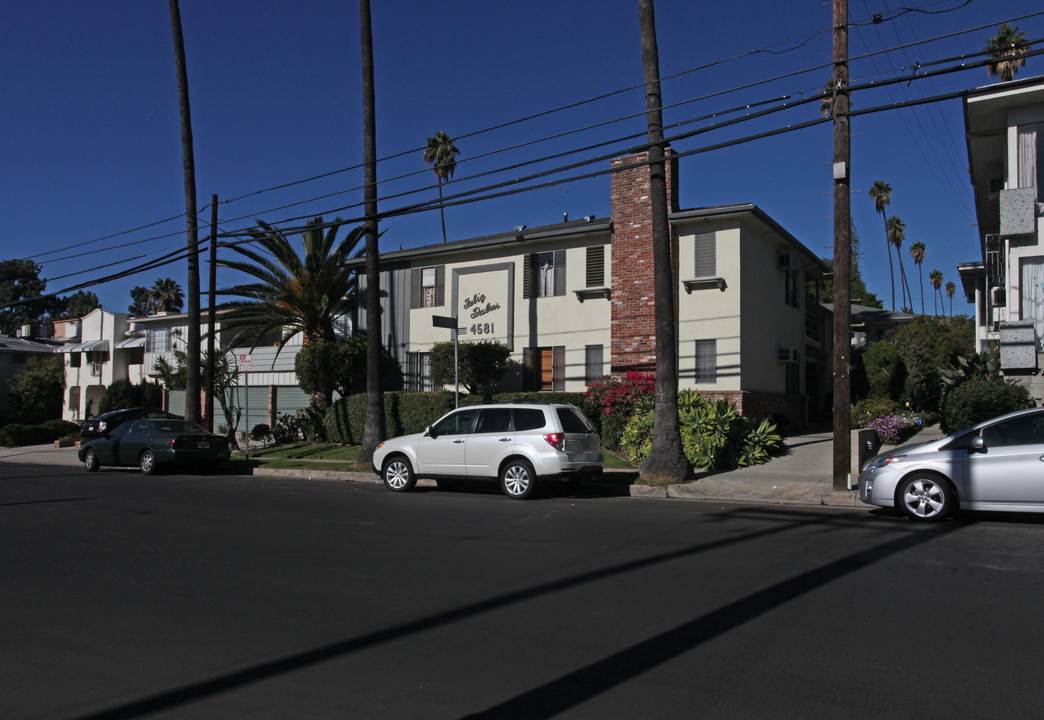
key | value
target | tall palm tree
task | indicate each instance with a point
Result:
(881, 193)
(935, 277)
(896, 236)
(192, 378)
(442, 153)
(951, 289)
(917, 252)
(293, 294)
(166, 295)
(1003, 49)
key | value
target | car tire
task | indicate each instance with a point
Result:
(517, 479)
(90, 460)
(397, 474)
(925, 497)
(147, 462)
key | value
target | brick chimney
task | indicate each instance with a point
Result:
(633, 316)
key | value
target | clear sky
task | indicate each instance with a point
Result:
(91, 150)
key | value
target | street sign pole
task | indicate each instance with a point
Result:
(445, 321)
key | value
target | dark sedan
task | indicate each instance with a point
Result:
(107, 422)
(150, 444)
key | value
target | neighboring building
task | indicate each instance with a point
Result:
(96, 352)
(574, 301)
(1004, 124)
(15, 352)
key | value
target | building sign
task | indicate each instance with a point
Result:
(483, 303)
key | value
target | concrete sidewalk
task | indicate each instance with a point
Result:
(802, 476)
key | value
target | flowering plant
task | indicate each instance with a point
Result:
(614, 395)
(893, 429)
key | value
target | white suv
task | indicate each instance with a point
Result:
(519, 443)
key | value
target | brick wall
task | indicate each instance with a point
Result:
(633, 326)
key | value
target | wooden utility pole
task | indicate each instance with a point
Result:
(842, 252)
(211, 313)
(189, 164)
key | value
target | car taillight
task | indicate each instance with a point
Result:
(555, 440)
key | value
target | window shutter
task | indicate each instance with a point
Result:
(560, 272)
(705, 258)
(596, 266)
(440, 286)
(527, 276)
(415, 288)
(558, 376)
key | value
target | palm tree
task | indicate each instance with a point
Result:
(917, 252)
(292, 294)
(441, 152)
(1004, 49)
(881, 192)
(166, 295)
(950, 290)
(896, 235)
(935, 277)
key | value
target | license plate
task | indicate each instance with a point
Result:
(203, 444)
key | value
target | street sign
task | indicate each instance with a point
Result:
(444, 321)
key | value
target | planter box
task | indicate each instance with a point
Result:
(66, 443)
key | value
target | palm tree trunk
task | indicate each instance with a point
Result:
(888, 249)
(192, 364)
(442, 210)
(373, 429)
(920, 275)
(666, 457)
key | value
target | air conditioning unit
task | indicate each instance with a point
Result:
(786, 355)
(997, 297)
(788, 261)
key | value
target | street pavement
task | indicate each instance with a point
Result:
(801, 476)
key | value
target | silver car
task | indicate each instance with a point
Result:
(995, 465)
(517, 444)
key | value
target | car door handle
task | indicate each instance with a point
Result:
(507, 439)
(458, 442)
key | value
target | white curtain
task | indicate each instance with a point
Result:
(1033, 295)
(1028, 156)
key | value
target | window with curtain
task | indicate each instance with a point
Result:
(1033, 294)
(706, 362)
(1030, 171)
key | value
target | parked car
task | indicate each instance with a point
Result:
(152, 444)
(995, 465)
(519, 444)
(107, 422)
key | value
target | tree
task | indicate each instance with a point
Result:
(896, 235)
(917, 252)
(20, 291)
(226, 383)
(823, 290)
(666, 457)
(1005, 50)
(79, 304)
(950, 290)
(481, 364)
(36, 389)
(881, 193)
(935, 277)
(166, 296)
(192, 383)
(141, 302)
(442, 153)
(292, 294)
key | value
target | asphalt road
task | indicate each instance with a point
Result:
(228, 597)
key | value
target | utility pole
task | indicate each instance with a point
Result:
(842, 252)
(209, 412)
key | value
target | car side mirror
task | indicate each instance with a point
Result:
(430, 432)
(977, 444)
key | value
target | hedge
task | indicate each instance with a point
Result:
(16, 434)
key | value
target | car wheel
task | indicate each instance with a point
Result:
(925, 497)
(398, 474)
(90, 460)
(517, 479)
(147, 462)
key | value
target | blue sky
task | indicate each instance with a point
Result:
(90, 137)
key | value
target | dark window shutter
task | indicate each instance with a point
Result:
(596, 266)
(440, 285)
(560, 272)
(704, 252)
(558, 377)
(415, 288)
(527, 277)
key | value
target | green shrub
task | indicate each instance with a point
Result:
(287, 430)
(974, 401)
(62, 428)
(261, 433)
(865, 411)
(123, 394)
(404, 413)
(884, 374)
(16, 434)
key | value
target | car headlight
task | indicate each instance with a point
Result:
(884, 460)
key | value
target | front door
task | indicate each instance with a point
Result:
(441, 452)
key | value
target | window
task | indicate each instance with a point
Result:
(157, 340)
(544, 368)
(418, 372)
(544, 274)
(1031, 172)
(497, 420)
(596, 266)
(1025, 430)
(792, 288)
(593, 366)
(529, 419)
(705, 255)
(75, 359)
(706, 361)
(428, 287)
(1033, 295)
(459, 423)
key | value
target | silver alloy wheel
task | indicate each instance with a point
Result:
(925, 499)
(517, 480)
(148, 462)
(398, 475)
(90, 460)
